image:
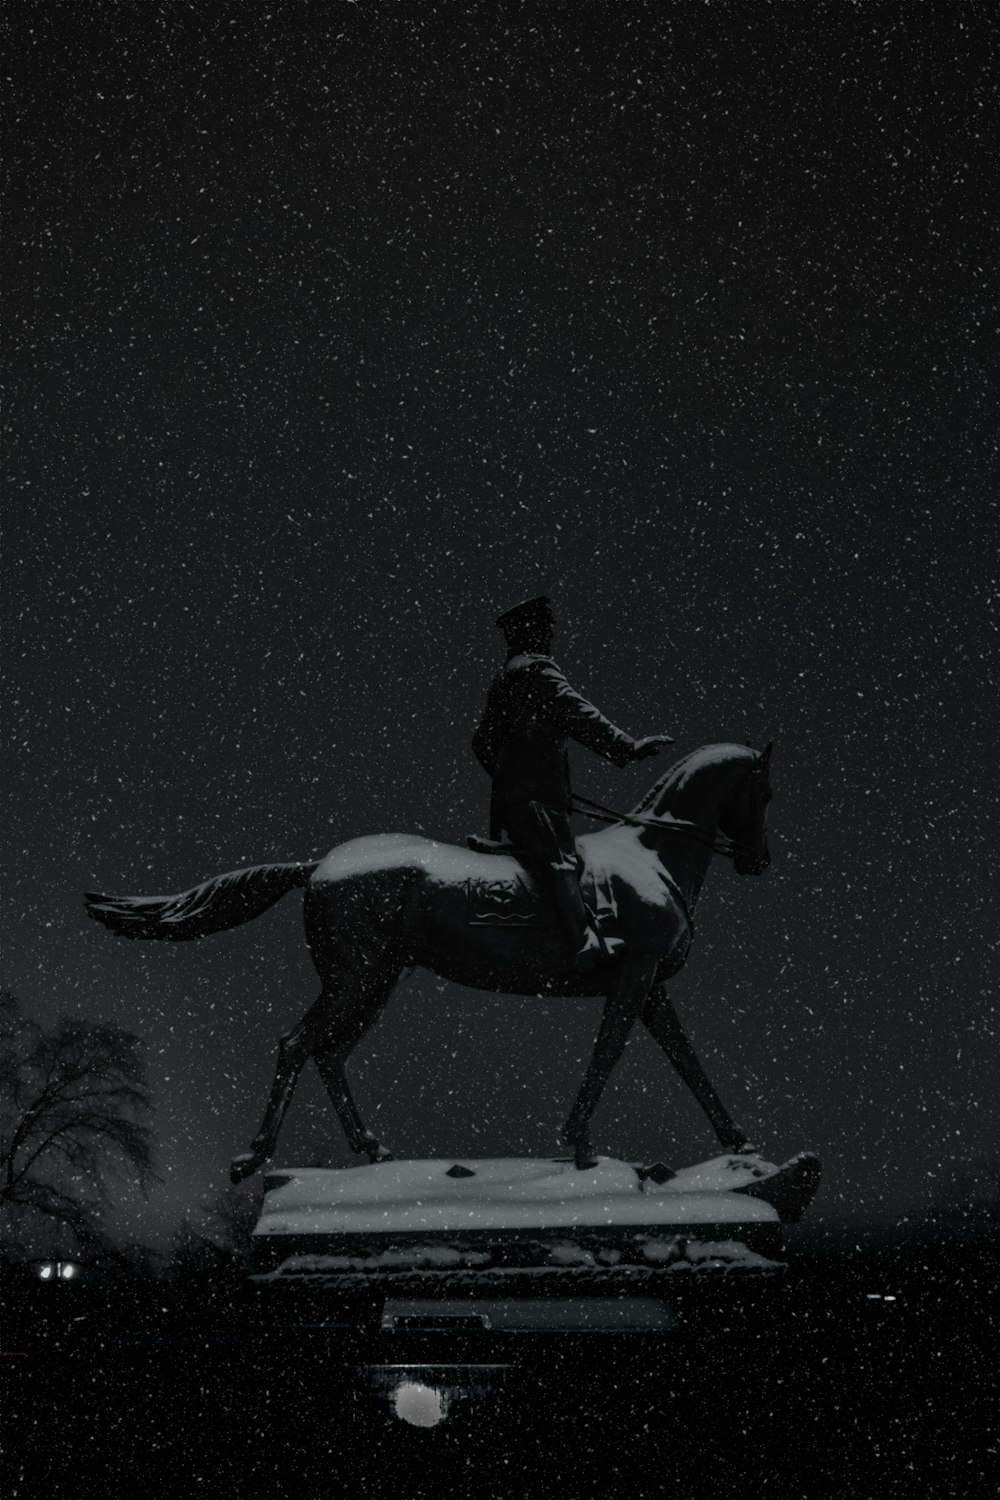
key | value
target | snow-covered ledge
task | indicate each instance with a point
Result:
(512, 1193)
(474, 1215)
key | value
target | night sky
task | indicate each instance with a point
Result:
(330, 334)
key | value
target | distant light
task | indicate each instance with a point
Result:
(67, 1270)
(45, 1272)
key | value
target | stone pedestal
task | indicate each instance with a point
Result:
(488, 1224)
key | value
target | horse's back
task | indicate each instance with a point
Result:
(616, 854)
(410, 854)
(419, 901)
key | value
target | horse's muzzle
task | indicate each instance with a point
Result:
(755, 863)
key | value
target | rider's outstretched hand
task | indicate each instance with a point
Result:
(651, 745)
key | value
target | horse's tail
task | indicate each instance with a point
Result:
(215, 905)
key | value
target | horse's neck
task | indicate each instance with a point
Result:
(696, 788)
(693, 791)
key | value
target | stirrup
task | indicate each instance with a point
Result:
(596, 949)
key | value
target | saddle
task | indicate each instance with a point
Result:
(482, 845)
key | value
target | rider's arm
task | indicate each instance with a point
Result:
(579, 720)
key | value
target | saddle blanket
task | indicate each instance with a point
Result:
(516, 903)
(506, 903)
(613, 861)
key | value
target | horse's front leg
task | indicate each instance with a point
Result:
(661, 1019)
(622, 1008)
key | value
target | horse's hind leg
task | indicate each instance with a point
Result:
(293, 1050)
(360, 1139)
(329, 1032)
(353, 1019)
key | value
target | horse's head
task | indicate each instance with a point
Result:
(743, 819)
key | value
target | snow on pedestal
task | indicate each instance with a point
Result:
(512, 1215)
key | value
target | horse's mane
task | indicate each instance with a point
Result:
(687, 766)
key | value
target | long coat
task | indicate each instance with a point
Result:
(531, 711)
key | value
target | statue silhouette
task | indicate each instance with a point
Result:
(379, 905)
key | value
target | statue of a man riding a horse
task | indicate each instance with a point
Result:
(535, 913)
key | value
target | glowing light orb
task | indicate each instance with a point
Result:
(421, 1405)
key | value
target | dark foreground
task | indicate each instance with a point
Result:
(857, 1374)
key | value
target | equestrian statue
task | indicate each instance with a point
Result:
(608, 914)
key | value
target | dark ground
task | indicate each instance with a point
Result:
(812, 1384)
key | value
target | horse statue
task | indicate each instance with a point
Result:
(379, 905)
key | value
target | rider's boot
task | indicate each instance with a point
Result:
(587, 947)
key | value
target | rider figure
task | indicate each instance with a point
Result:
(531, 711)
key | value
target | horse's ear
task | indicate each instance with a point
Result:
(765, 754)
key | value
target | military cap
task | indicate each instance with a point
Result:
(531, 611)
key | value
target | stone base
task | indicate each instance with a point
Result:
(496, 1222)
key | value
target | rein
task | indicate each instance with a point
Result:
(601, 814)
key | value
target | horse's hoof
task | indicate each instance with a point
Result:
(244, 1166)
(375, 1151)
(583, 1155)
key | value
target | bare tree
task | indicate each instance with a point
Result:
(74, 1106)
